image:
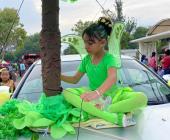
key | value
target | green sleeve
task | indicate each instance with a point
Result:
(82, 66)
(110, 62)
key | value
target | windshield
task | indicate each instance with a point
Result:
(141, 79)
(131, 74)
(32, 87)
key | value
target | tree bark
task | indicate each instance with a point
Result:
(50, 47)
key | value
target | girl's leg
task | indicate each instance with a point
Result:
(73, 97)
(128, 101)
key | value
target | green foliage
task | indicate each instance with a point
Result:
(9, 56)
(126, 37)
(130, 25)
(160, 44)
(17, 34)
(140, 32)
(31, 45)
(70, 50)
(80, 26)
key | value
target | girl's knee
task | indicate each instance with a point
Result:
(75, 91)
(141, 98)
(66, 93)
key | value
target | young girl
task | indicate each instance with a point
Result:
(99, 66)
(5, 80)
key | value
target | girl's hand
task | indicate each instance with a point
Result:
(88, 96)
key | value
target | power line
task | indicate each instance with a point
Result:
(100, 4)
(109, 14)
(4, 44)
(99, 9)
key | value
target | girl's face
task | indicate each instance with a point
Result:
(93, 46)
(5, 76)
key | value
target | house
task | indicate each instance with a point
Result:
(159, 31)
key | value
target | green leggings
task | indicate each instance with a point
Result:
(124, 101)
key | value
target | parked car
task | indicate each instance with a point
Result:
(153, 122)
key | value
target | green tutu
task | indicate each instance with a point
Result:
(50, 112)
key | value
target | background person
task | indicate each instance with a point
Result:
(152, 62)
(165, 62)
(6, 80)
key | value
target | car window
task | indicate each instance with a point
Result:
(131, 74)
(32, 87)
(143, 80)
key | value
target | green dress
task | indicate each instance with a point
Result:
(124, 99)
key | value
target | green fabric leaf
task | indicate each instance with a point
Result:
(24, 107)
(62, 120)
(42, 122)
(76, 115)
(57, 132)
(69, 128)
(75, 119)
(19, 123)
(31, 117)
(75, 112)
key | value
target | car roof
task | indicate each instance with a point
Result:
(77, 57)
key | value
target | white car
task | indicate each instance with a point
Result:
(153, 123)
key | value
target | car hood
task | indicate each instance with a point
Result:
(153, 123)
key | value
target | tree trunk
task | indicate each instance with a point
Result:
(3, 54)
(50, 47)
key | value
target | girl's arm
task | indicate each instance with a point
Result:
(12, 86)
(72, 79)
(162, 61)
(111, 80)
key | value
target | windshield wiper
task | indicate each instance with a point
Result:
(155, 102)
(143, 82)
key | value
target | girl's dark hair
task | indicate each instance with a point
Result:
(10, 75)
(167, 52)
(143, 57)
(100, 30)
(153, 54)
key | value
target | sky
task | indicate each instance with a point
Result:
(146, 12)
